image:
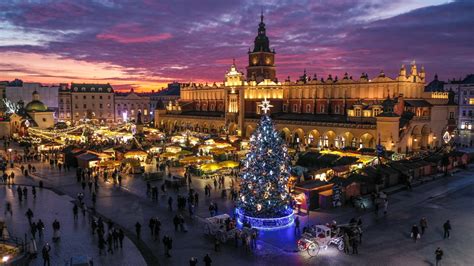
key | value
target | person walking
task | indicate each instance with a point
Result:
(423, 225)
(75, 210)
(193, 261)
(151, 225)
(170, 203)
(415, 232)
(56, 232)
(121, 236)
(355, 244)
(345, 238)
(109, 243)
(438, 255)
(34, 229)
(40, 227)
(8, 208)
(46, 257)
(297, 225)
(447, 229)
(101, 244)
(176, 221)
(29, 215)
(33, 191)
(138, 229)
(207, 260)
(167, 244)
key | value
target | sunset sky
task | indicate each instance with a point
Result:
(146, 44)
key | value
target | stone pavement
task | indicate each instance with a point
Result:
(128, 204)
(76, 237)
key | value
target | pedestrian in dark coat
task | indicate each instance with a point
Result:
(447, 229)
(29, 215)
(439, 255)
(109, 243)
(355, 244)
(423, 225)
(46, 257)
(121, 236)
(415, 232)
(207, 260)
(138, 229)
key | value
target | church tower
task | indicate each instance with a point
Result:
(261, 58)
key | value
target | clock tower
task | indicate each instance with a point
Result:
(261, 58)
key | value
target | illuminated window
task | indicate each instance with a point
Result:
(322, 109)
(358, 112)
(376, 111)
(471, 100)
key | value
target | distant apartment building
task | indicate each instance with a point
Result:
(464, 90)
(128, 105)
(94, 102)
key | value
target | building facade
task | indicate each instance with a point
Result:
(396, 113)
(128, 105)
(94, 102)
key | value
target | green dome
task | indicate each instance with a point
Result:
(36, 106)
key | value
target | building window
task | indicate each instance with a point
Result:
(75, 106)
(471, 100)
(76, 97)
(336, 109)
(451, 115)
(100, 97)
(285, 108)
(108, 97)
(93, 97)
(100, 106)
(295, 108)
(358, 112)
(308, 108)
(85, 106)
(84, 97)
(376, 111)
(470, 114)
(322, 109)
(463, 112)
(464, 92)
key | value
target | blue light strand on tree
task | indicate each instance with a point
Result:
(264, 179)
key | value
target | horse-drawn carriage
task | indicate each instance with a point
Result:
(319, 237)
(216, 226)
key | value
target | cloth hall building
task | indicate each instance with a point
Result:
(331, 112)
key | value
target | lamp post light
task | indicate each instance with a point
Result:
(10, 157)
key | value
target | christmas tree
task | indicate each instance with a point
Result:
(264, 179)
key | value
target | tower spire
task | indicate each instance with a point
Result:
(261, 16)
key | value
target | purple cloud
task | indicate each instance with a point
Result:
(196, 40)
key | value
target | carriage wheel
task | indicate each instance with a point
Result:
(340, 246)
(313, 249)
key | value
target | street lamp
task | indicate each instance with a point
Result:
(10, 155)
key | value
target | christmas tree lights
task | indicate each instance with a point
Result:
(264, 201)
